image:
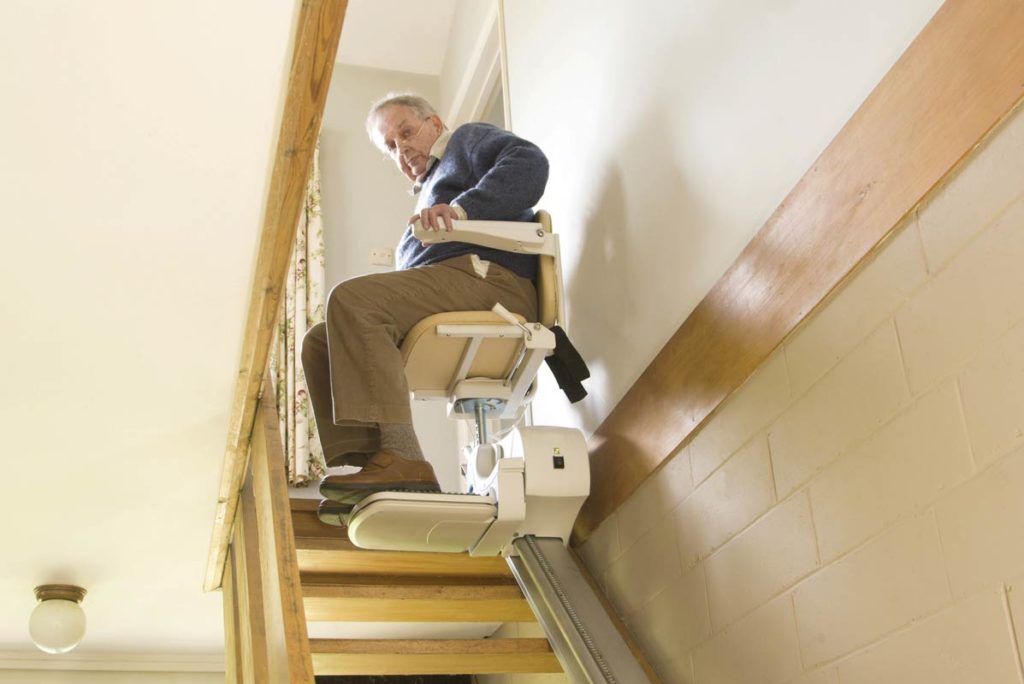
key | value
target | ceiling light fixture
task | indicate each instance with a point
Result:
(57, 623)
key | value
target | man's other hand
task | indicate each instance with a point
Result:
(438, 217)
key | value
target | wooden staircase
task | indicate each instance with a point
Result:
(285, 569)
(341, 582)
(279, 568)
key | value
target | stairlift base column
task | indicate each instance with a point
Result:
(511, 509)
(583, 636)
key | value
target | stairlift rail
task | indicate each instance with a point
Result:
(582, 634)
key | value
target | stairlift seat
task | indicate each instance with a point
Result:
(432, 360)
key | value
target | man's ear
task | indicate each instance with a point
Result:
(438, 124)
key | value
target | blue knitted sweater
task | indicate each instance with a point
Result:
(494, 176)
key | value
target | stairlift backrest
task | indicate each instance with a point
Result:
(549, 280)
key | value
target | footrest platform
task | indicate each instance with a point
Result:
(421, 521)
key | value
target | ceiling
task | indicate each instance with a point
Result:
(399, 35)
(137, 144)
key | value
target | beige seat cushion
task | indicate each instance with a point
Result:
(431, 361)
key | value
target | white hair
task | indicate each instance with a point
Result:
(424, 110)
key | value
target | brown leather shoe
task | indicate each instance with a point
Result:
(334, 513)
(351, 458)
(383, 472)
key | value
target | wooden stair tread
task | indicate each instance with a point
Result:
(306, 524)
(432, 656)
(416, 599)
(341, 556)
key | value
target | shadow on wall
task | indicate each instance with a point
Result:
(640, 239)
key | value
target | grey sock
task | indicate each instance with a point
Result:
(400, 439)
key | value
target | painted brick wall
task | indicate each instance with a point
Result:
(855, 512)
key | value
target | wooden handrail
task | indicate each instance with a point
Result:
(315, 45)
(959, 78)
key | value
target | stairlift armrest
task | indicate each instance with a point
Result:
(535, 335)
(508, 236)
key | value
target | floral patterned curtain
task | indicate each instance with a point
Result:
(302, 307)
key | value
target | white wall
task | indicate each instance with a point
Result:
(471, 20)
(137, 142)
(674, 130)
(365, 199)
(853, 514)
(366, 204)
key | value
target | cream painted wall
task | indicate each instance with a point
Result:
(365, 199)
(397, 35)
(366, 204)
(853, 514)
(469, 21)
(674, 130)
(137, 142)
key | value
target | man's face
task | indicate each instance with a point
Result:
(407, 138)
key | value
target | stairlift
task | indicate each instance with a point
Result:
(520, 480)
(525, 485)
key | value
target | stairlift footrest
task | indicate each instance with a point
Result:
(537, 490)
(411, 521)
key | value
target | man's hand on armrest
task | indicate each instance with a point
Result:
(439, 217)
(510, 236)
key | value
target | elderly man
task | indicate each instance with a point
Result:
(352, 362)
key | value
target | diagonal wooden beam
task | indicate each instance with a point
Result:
(314, 48)
(959, 78)
(420, 657)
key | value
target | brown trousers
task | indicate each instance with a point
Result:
(353, 362)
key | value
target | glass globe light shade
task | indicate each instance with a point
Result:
(57, 623)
